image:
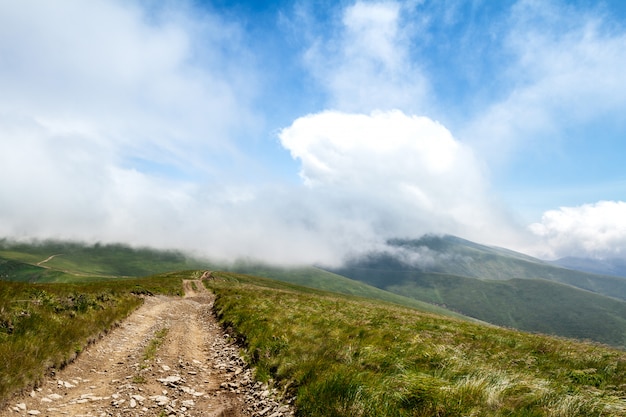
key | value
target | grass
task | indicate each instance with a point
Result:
(44, 326)
(155, 343)
(317, 278)
(347, 356)
(84, 261)
(525, 304)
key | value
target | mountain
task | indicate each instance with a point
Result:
(613, 266)
(57, 261)
(498, 286)
(445, 275)
(456, 256)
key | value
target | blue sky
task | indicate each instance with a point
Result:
(301, 131)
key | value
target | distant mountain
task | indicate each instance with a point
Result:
(614, 266)
(58, 261)
(456, 256)
(498, 286)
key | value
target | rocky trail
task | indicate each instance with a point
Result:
(169, 358)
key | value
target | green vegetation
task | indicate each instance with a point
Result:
(451, 255)
(500, 287)
(327, 281)
(155, 343)
(347, 356)
(53, 261)
(45, 326)
(531, 305)
(84, 261)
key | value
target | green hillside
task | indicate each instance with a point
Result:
(499, 286)
(323, 280)
(455, 256)
(54, 261)
(111, 260)
(347, 356)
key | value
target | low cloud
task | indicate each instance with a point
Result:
(366, 178)
(132, 122)
(591, 230)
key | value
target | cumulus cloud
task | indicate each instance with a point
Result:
(368, 65)
(130, 121)
(591, 230)
(404, 175)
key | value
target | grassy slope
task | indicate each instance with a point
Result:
(327, 281)
(73, 262)
(96, 260)
(46, 325)
(532, 305)
(464, 258)
(345, 356)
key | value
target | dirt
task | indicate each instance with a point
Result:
(195, 371)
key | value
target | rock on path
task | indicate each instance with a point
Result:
(195, 372)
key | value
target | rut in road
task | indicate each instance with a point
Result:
(194, 372)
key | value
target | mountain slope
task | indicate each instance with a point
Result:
(56, 261)
(456, 256)
(499, 286)
(327, 281)
(113, 260)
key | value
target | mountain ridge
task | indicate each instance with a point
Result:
(498, 286)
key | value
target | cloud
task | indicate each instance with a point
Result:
(114, 117)
(400, 175)
(563, 72)
(591, 230)
(368, 65)
(149, 84)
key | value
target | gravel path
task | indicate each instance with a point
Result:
(195, 371)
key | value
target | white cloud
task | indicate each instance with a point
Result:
(150, 84)
(563, 72)
(368, 66)
(398, 175)
(113, 116)
(591, 230)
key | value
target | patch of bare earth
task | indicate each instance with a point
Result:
(195, 371)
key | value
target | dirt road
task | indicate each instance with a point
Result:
(191, 369)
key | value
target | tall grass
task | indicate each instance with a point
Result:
(44, 326)
(344, 356)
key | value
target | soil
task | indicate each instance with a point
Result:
(195, 371)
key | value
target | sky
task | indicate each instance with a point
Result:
(302, 132)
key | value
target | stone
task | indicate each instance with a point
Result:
(161, 400)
